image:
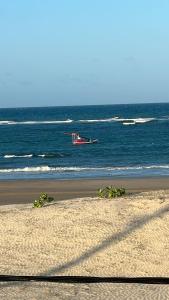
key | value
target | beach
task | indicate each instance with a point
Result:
(26, 191)
(84, 235)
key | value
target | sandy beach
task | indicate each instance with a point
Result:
(85, 235)
(25, 191)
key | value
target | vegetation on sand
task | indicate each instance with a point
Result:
(43, 198)
(111, 192)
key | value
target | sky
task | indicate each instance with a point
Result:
(80, 52)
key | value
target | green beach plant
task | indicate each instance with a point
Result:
(111, 192)
(43, 198)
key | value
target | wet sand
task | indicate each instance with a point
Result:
(26, 191)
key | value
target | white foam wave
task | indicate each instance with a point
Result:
(7, 122)
(98, 120)
(18, 156)
(48, 155)
(136, 120)
(118, 119)
(26, 169)
(139, 167)
(129, 123)
(47, 122)
(113, 119)
(43, 169)
(35, 122)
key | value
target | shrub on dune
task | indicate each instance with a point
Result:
(43, 198)
(111, 192)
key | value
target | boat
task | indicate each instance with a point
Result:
(79, 140)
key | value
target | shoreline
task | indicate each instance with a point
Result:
(26, 191)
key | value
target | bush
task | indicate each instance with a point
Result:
(111, 192)
(42, 200)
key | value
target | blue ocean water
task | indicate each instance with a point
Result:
(133, 140)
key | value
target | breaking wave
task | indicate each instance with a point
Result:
(44, 169)
(136, 120)
(98, 120)
(7, 123)
(45, 155)
(118, 119)
(18, 156)
(124, 121)
(69, 121)
(35, 122)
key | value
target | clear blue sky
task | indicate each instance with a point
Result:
(68, 52)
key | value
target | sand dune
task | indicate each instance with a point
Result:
(87, 236)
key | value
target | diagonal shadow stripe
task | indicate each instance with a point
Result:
(111, 240)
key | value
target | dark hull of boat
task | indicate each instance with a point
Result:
(76, 142)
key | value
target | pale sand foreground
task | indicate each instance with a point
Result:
(88, 236)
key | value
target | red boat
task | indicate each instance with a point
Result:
(79, 140)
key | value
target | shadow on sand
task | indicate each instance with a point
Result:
(111, 240)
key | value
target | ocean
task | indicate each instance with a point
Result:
(133, 141)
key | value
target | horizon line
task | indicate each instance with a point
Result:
(108, 104)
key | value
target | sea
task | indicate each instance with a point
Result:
(133, 141)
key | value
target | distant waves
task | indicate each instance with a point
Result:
(43, 155)
(70, 121)
(35, 122)
(133, 141)
(140, 120)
